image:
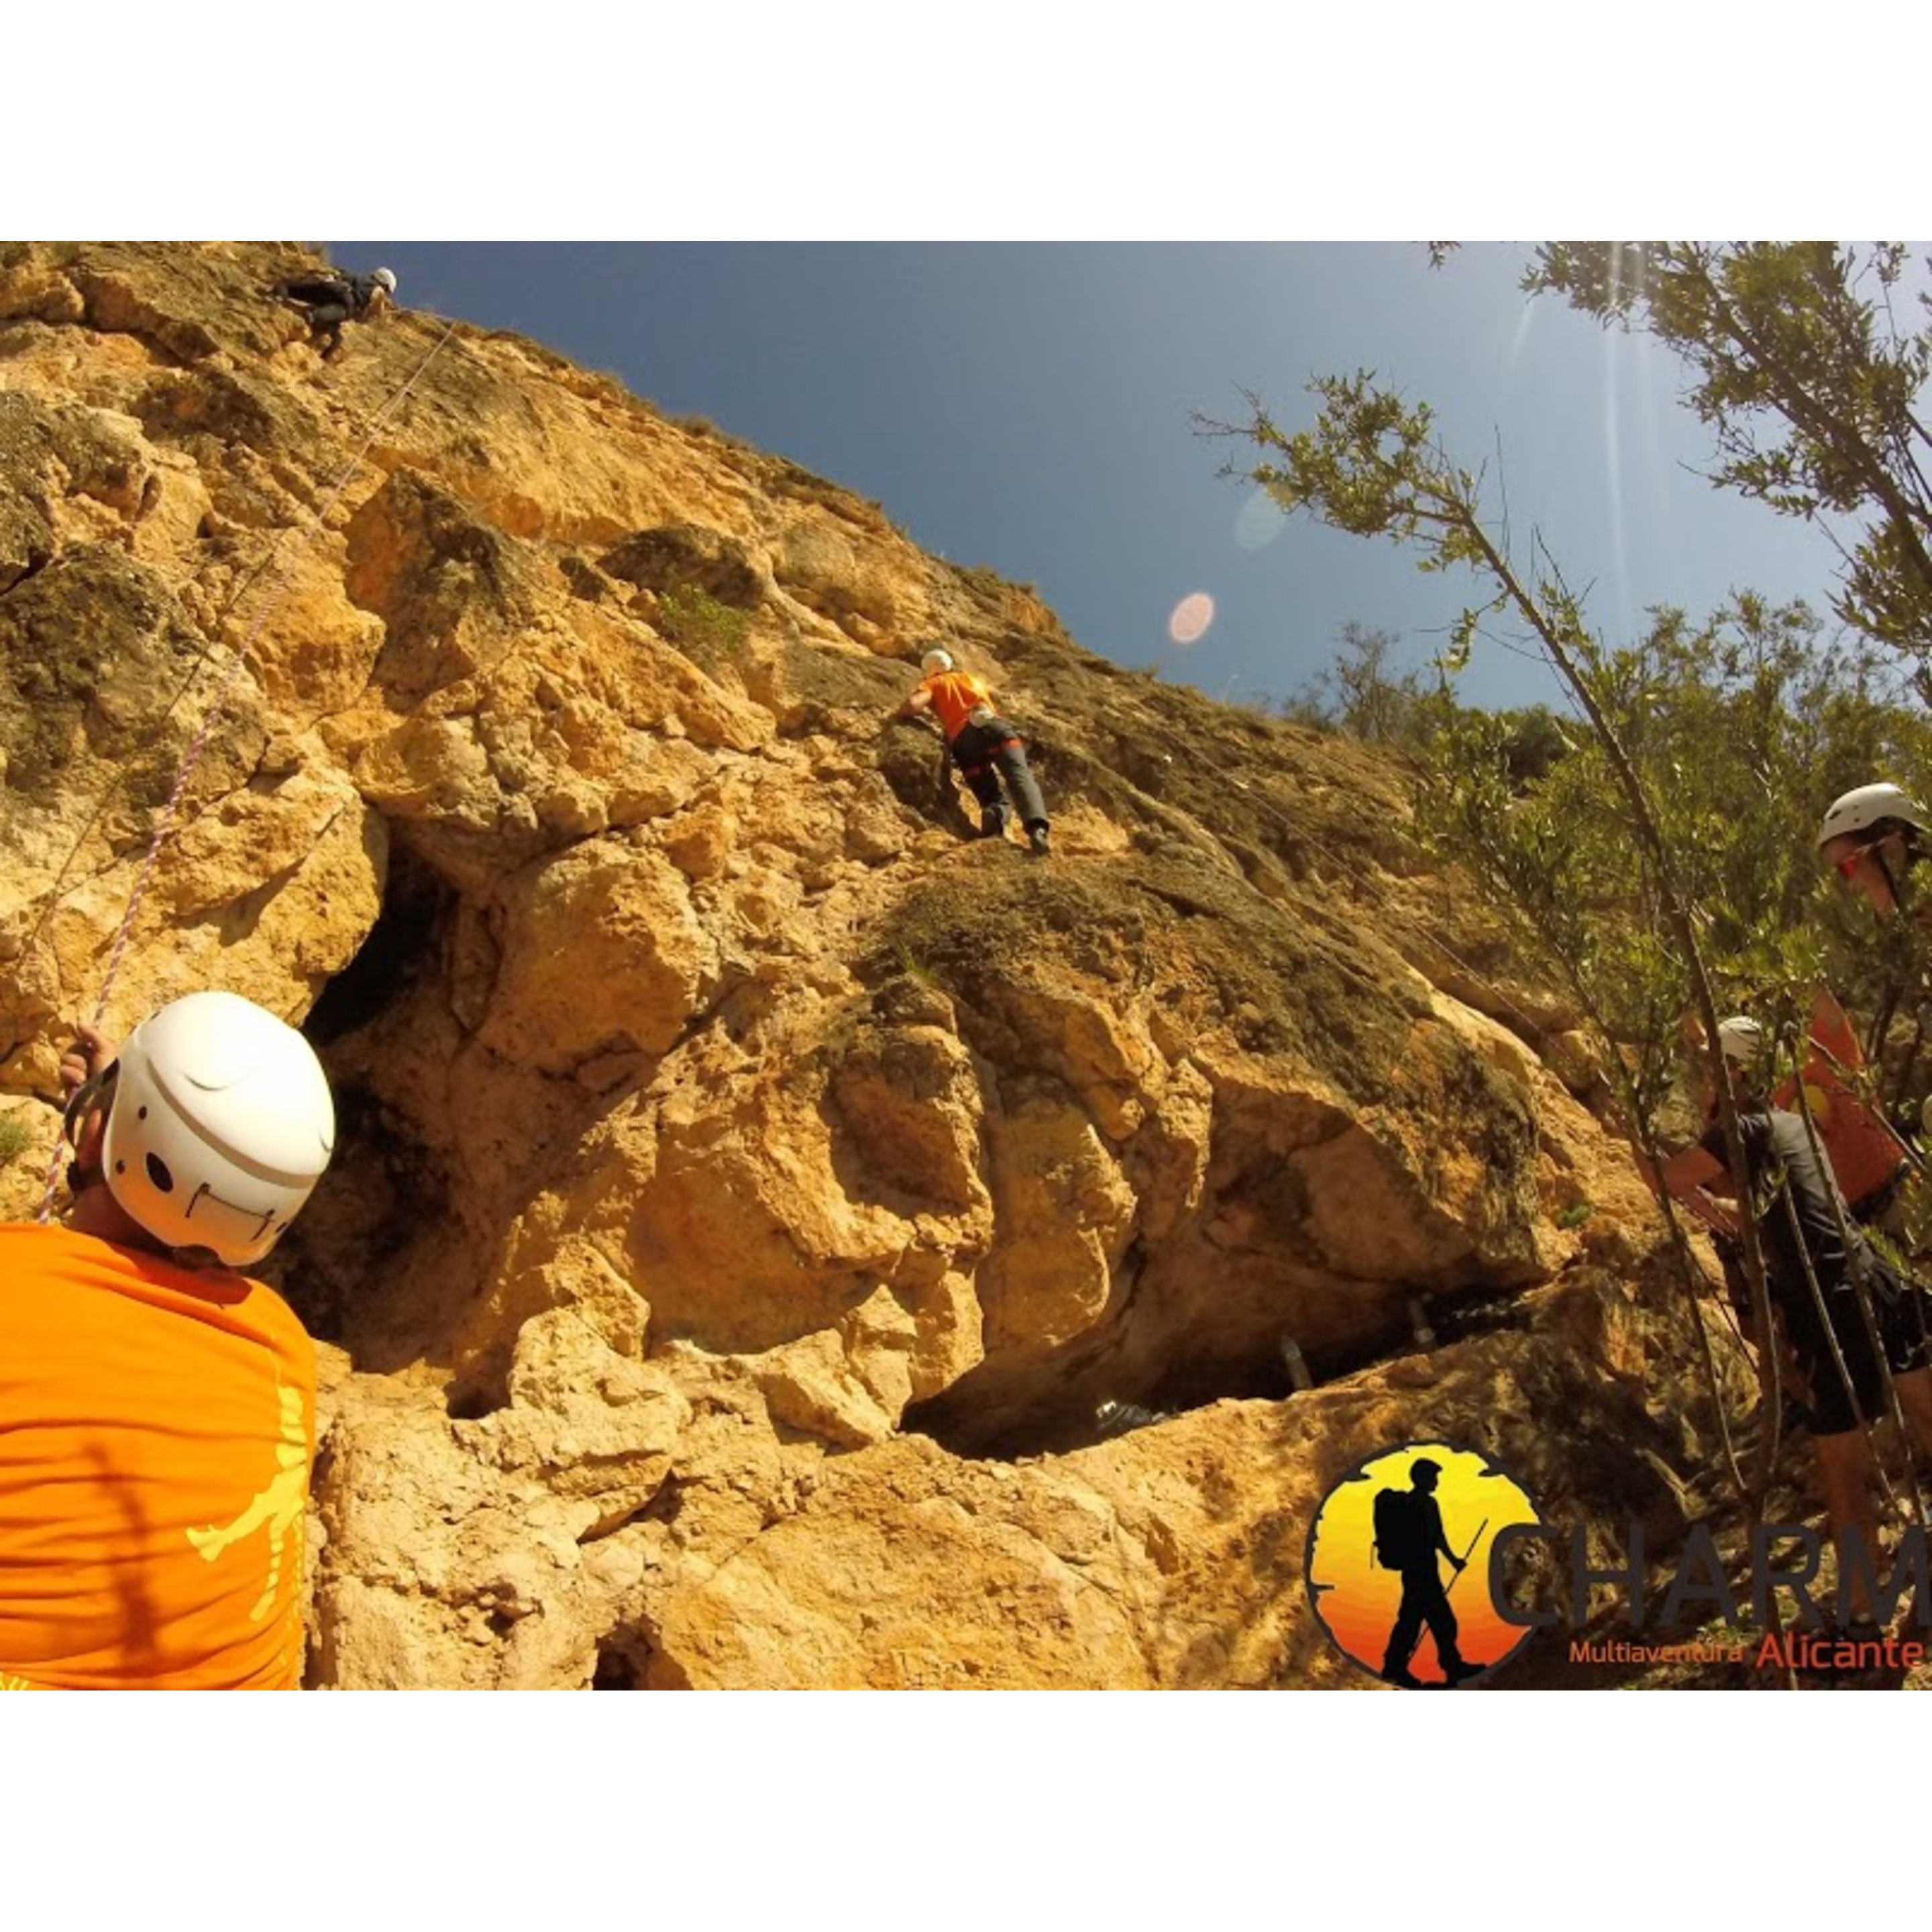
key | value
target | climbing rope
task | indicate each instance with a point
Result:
(278, 589)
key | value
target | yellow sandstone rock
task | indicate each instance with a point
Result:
(740, 1169)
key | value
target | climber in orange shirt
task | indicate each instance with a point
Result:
(1869, 1159)
(157, 1406)
(983, 746)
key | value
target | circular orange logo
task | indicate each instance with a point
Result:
(1399, 1565)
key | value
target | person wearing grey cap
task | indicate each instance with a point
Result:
(1816, 1260)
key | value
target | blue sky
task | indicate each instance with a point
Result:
(1027, 406)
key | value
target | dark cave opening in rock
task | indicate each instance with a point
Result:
(1004, 1412)
(616, 1671)
(624, 1659)
(381, 1180)
(406, 940)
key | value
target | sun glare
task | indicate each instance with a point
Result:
(1187, 624)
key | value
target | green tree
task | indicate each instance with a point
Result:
(1662, 859)
(1361, 692)
(1537, 739)
(1810, 379)
(1612, 876)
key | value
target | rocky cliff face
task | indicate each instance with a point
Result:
(749, 1186)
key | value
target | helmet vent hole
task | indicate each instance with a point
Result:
(142, 1114)
(158, 1172)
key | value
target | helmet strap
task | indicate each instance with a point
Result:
(1895, 880)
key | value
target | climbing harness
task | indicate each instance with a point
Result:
(164, 823)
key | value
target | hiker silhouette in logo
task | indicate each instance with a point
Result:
(1409, 1536)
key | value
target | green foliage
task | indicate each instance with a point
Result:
(1659, 845)
(1658, 856)
(911, 964)
(1362, 694)
(1536, 741)
(1371, 463)
(16, 1136)
(1811, 384)
(691, 616)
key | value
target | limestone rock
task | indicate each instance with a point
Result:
(749, 1184)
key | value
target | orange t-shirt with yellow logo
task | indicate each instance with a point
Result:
(157, 1433)
(956, 695)
(1864, 1151)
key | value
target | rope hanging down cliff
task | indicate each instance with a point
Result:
(164, 822)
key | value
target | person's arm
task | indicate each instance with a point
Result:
(1442, 1534)
(1684, 1173)
(1681, 1175)
(920, 700)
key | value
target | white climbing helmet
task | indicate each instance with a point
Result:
(221, 1127)
(1860, 810)
(936, 661)
(1742, 1040)
(387, 276)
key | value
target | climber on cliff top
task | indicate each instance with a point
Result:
(329, 300)
(158, 1405)
(983, 746)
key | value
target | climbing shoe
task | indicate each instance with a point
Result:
(1037, 838)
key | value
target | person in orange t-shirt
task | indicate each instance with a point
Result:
(1868, 1159)
(157, 1406)
(984, 746)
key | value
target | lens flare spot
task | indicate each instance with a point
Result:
(1187, 623)
(1258, 521)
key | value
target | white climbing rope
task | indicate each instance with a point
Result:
(278, 589)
